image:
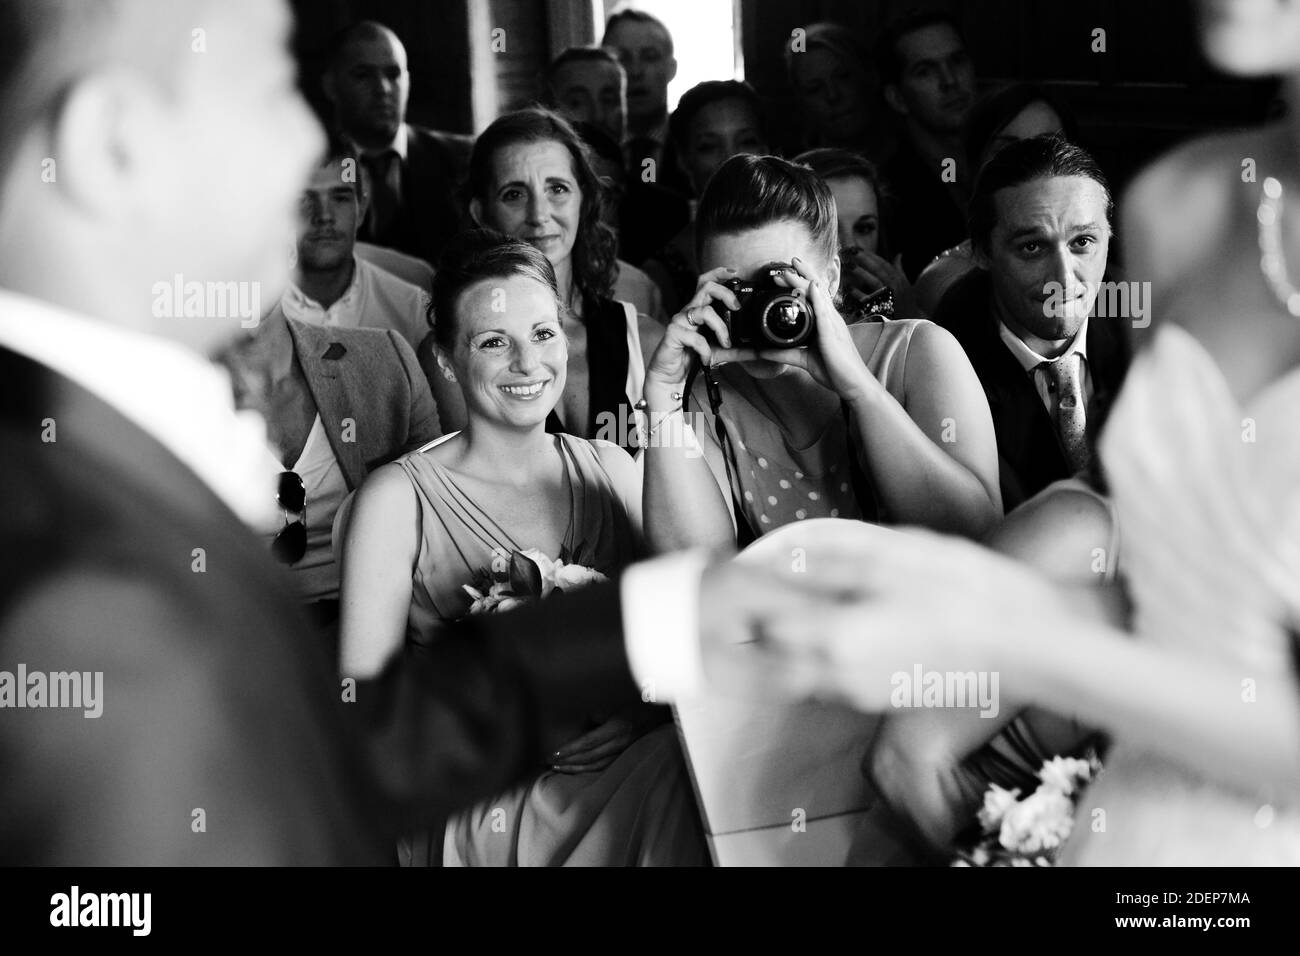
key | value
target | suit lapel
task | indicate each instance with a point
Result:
(328, 370)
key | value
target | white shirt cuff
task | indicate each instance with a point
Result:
(661, 625)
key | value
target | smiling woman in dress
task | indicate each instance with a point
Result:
(616, 792)
(531, 177)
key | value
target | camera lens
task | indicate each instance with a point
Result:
(786, 321)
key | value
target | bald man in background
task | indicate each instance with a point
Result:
(175, 708)
(414, 172)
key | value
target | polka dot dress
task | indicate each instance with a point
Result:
(793, 467)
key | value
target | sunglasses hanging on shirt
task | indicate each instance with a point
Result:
(291, 543)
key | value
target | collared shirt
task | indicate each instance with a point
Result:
(186, 403)
(1032, 362)
(375, 300)
(183, 401)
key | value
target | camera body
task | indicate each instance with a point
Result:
(770, 316)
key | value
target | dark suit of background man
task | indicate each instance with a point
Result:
(1040, 229)
(929, 82)
(414, 172)
(222, 736)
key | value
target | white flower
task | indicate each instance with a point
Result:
(996, 804)
(1064, 774)
(1042, 821)
(569, 576)
(510, 603)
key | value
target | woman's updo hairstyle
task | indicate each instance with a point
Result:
(472, 257)
(749, 192)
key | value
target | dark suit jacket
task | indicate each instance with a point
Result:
(224, 738)
(927, 215)
(370, 376)
(1030, 453)
(430, 212)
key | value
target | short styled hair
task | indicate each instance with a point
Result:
(631, 15)
(576, 54)
(888, 61)
(749, 192)
(472, 257)
(1042, 157)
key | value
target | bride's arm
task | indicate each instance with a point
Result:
(379, 550)
(1231, 724)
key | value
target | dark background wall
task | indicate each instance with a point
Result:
(1150, 89)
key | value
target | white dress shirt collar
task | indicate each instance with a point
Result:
(299, 306)
(1029, 359)
(182, 400)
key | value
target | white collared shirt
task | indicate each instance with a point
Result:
(186, 403)
(182, 400)
(375, 300)
(1032, 362)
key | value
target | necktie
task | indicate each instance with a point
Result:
(385, 171)
(1065, 380)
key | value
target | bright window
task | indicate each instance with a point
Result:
(704, 41)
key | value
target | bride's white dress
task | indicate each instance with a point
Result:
(1208, 498)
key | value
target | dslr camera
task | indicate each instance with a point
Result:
(770, 316)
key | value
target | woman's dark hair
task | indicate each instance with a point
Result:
(470, 258)
(831, 163)
(993, 112)
(705, 94)
(1042, 157)
(748, 192)
(594, 263)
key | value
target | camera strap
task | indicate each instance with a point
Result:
(744, 530)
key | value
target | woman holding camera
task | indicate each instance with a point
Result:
(879, 421)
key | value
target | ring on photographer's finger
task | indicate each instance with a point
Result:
(690, 317)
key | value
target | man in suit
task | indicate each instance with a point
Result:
(929, 82)
(333, 286)
(338, 403)
(415, 172)
(644, 47)
(223, 736)
(1040, 230)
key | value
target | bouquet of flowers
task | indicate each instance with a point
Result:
(516, 578)
(1031, 831)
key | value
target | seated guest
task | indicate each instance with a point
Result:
(531, 178)
(644, 47)
(617, 791)
(878, 421)
(838, 92)
(713, 121)
(860, 199)
(414, 171)
(337, 403)
(929, 82)
(631, 284)
(332, 285)
(1040, 228)
(1020, 111)
(588, 85)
